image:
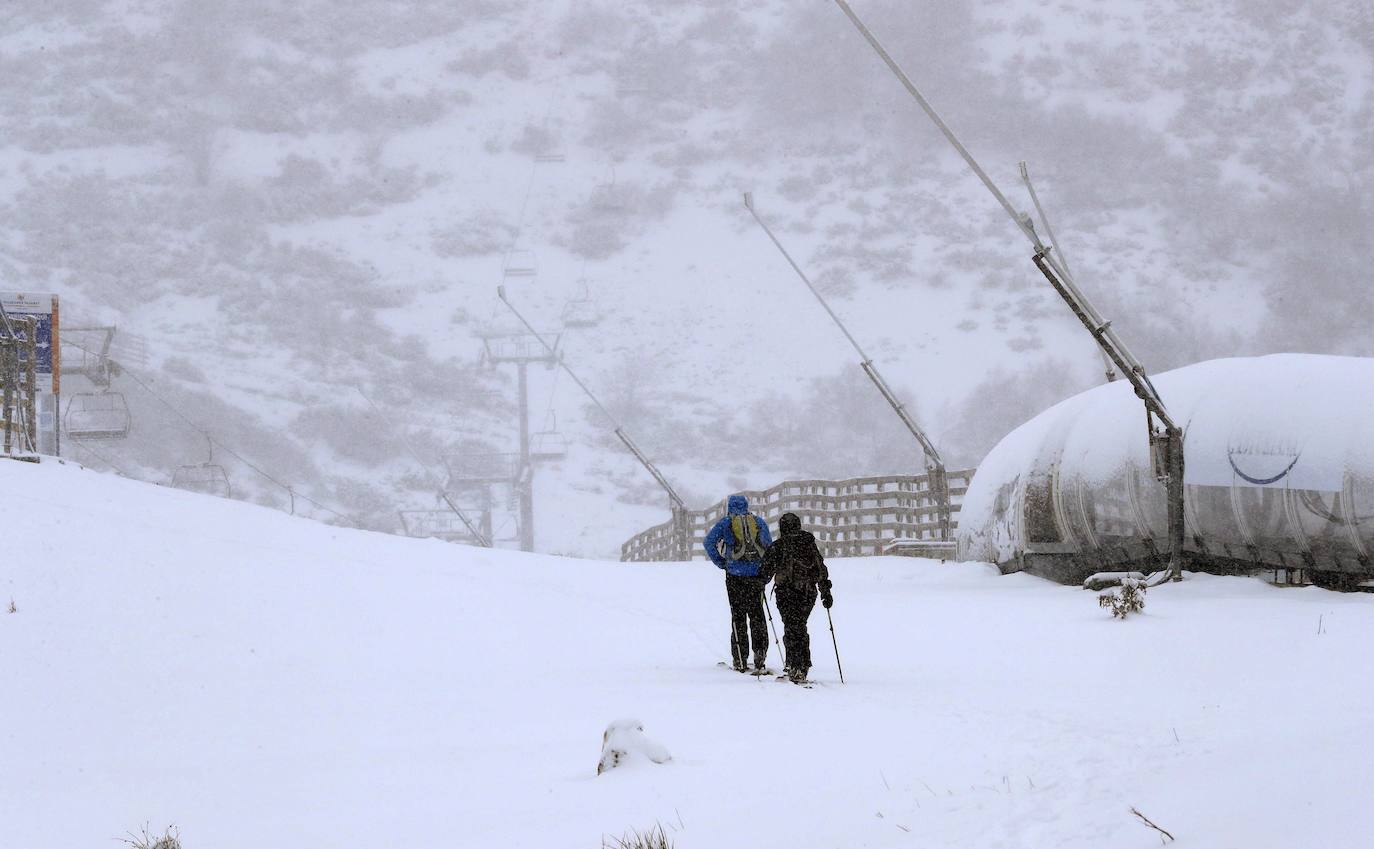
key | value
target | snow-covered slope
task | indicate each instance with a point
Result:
(289, 202)
(266, 681)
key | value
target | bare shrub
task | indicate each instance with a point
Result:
(170, 839)
(654, 838)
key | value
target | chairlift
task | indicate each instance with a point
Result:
(97, 415)
(86, 351)
(521, 263)
(208, 477)
(609, 194)
(581, 311)
(551, 155)
(547, 443)
(444, 525)
(631, 83)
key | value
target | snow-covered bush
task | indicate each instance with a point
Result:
(623, 740)
(1128, 599)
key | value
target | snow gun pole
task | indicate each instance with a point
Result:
(676, 504)
(1110, 370)
(935, 466)
(838, 665)
(1166, 437)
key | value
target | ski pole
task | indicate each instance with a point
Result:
(763, 594)
(734, 643)
(835, 644)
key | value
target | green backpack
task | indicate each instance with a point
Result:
(745, 530)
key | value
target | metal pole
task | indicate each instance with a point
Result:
(938, 480)
(1171, 435)
(838, 665)
(763, 596)
(31, 379)
(7, 377)
(1059, 252)
(682, 534)
(1104, 331)
(525, 477)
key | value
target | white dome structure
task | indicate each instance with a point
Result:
(1278, 473)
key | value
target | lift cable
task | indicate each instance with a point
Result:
(292, 491)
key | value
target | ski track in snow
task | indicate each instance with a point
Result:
(266, 681)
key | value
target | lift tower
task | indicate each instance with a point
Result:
(520, 350)
(682, 541)
(1166, 437)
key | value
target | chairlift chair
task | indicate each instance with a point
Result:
(577, 314)
(551, 155)
(632, 83)
(609, 194)
(581, 311)
(548, 443)
(97, 415)
(208, 477)
(521, 263)
(440, 524)
(86, 351)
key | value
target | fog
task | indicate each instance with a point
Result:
(296, 215)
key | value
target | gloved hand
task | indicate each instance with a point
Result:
(827, 599)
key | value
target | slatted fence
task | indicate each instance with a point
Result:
(850, 518)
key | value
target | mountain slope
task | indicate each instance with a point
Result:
(290, 202)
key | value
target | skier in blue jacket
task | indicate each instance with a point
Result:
(736, 544)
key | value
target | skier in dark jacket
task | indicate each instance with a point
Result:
(797, 569)
(736, 544)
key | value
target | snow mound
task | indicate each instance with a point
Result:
(624, 741)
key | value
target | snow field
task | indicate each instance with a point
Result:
(266, 681)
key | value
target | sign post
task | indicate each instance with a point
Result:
(43, 309)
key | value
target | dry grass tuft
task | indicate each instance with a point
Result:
(654, 838)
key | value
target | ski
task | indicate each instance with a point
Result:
(807, 684)
(757, 673)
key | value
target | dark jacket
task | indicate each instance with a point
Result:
(735, 505)
(794, 560)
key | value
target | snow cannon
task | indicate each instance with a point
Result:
(1278, 474)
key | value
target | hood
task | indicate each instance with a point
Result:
(737, 505)
(789, 523)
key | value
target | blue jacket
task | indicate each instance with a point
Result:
(736, 505)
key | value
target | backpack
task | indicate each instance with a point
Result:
(745, 530)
